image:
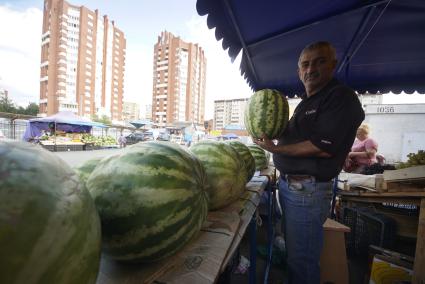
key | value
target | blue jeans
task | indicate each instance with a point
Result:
(306, 206)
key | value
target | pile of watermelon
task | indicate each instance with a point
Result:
(141, 205)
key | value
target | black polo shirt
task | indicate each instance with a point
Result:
(329, 119)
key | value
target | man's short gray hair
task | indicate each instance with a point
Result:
(317, 45)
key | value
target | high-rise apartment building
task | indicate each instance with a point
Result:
(148, 112)
(131, 111)
(179, 72)
(228, 112)
(82, 62)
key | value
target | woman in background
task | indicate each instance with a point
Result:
(363, 151)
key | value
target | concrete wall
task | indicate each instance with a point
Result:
(398, 128)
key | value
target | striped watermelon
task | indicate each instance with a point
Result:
(267, 113)
(226, 174)
(261, 156)
(49, 228)
(151, 200)
(87, 168)
(246, 156)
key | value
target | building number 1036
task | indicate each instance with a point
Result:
(385, 109)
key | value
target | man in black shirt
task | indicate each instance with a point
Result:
(309, 154)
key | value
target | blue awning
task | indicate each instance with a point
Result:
(66, 117)
(380, 44)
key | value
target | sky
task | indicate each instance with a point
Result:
(142, 22)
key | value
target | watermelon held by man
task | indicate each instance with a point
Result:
(267, 113)
(49, 228)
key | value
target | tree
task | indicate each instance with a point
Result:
(6, 105)
(104, 119)
(32, 109)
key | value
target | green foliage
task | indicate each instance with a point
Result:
(104, 119)
(414, 160)
(7, 105)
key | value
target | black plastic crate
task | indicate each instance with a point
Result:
(373, 229)
(399, 208)
(349, 218)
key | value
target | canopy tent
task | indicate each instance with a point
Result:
(140, 123)
(63, 121)
(380, 43)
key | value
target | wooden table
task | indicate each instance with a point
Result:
(201, 260)
(417, 198)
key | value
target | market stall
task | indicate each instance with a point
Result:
(63, 131)
(379, 49)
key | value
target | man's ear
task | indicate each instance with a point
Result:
(299, 73)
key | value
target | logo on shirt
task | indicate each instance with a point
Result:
(326, 141)
(308, 112)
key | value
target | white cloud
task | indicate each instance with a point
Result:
(138, 74)
(224, 80)
(20, 45)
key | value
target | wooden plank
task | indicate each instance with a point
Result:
(246, 206)
(419, 265)
(417, 172)
(378, 199)
(395, 194)
(380, 184)
(405, 186)
(201, 261)
(415, 194)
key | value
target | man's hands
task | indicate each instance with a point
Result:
(265, 143)
(300, 149)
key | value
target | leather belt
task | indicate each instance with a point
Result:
(298, 178)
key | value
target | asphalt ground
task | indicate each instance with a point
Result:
(76, 158)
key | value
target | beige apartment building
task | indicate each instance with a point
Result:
(179, 75)
(131, 111)
(82, 62)
(229, 112)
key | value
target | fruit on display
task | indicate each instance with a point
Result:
(414, 159)
(151, 200)
(225, 170)
(99, 140)
(267, 113)
(246, 156)
(49, 228)
(87, 168)
(261, 156)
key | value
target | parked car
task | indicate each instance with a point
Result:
(163, 137)
(136, 137)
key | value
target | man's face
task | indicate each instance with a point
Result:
(315, 68)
